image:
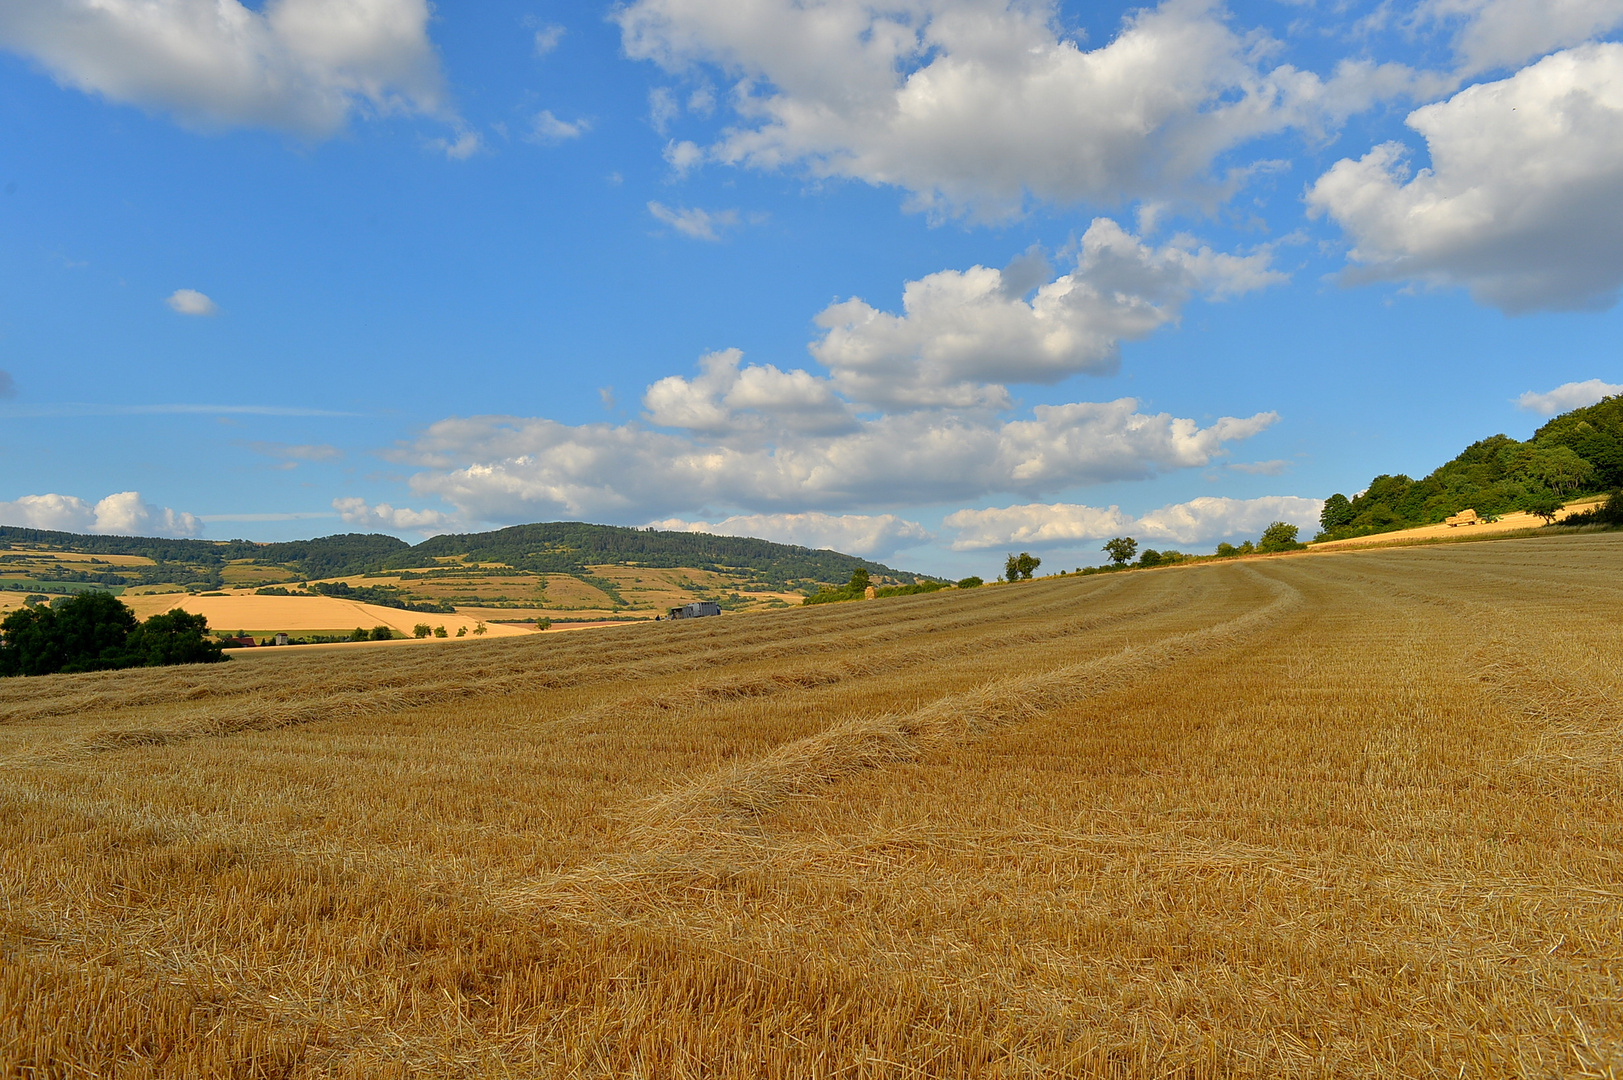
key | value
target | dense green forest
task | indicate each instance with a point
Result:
(1577, 453)
(567, 547)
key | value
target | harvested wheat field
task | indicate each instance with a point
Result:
(328, 613)
(1352, 814)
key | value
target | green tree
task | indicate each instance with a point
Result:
(1280, 536)
(970, 583)
(1227, 551)
(1558, 468)
(1121, 550)
(540, 624)
(359, 634)
(1337, 512)
(1149, 558)
(95, 631)
(382, 633)
(440, 631)
(178, 637)
(1544, 504)
(859, 580)
(421, 630)
(86, 632)
(479, 629)
(1027, 565)
(1011, 568)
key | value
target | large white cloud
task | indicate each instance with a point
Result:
(295, 65)
(974, 103)
(962, 334)
(1507, 33)
(1520, 204)
(515, 468)
(1068, 524)
(906, 416)
(869, 535)
(356, 511)
(123, 514)
(1567, 396)
(725, 398)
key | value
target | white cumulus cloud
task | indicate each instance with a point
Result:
(122, 514)
(1567, 396)
(973, 104)
(295, 65)
(961, 334)
(191, 302)
(868, 535)
(1202, 520)
(725, 398)
(499, 468)
(1520, 202)
(356, 511)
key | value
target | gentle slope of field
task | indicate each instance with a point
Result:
(1356, 814)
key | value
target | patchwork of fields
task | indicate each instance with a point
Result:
(1342, 814)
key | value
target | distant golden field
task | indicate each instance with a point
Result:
(1329, 815)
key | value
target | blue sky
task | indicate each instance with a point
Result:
(929, 280)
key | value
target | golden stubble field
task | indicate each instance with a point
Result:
(1332, 815)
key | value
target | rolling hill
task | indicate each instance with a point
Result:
(1575, 454)
(550, 570)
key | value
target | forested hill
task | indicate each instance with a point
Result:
(571, 546)
(554, 547)
(1577, 453)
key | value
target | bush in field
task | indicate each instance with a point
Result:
(95, 631)
(970, 583)
(359, 634)
(382, 633)
(440, 631)
(178, 637)
(421, 630)
(909, 590)
(1280, 536)
(1608, 513)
